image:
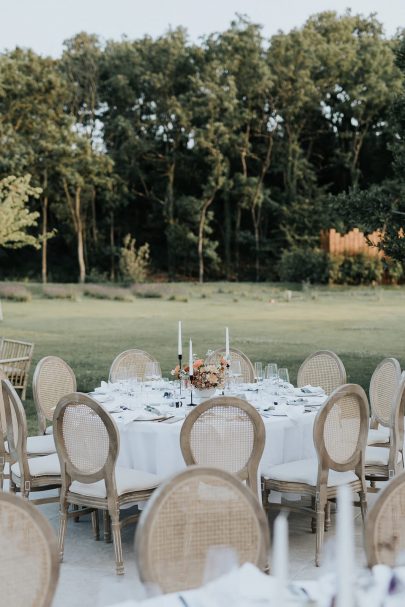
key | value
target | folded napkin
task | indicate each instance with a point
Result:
(104, 388)
(126, 417)
(309, 390)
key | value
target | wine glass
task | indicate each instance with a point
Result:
(235, 371)
(152, 371)
(283, 376)
(259, 372)
(272, 373)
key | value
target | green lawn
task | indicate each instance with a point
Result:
(362, 325)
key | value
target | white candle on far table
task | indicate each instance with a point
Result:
(227, 343)
(190, 359)
(280, 557)
(180, 346)
(345, 559)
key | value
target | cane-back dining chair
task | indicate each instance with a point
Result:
(226, 433)
(188, 517)
(28, 473)
(87, 441)
(53, 378)
(130, 364)
(385, 461)
(324, 369)
(383, 387)
(29, 553)
(15, 362)
(248, 371)
(385, 524)
(340, 436)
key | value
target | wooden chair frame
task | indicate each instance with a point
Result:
(25, 483)
(133, 352)
(376, 419)
(249, 472)
(248, 372)
(113, 502)
(321, 493)
(44, 528)
(43, 412)
(386, 472)
(321, 353)
(10, 355)
(376, 516)
(157, 504)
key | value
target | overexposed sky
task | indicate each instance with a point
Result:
(44, 24)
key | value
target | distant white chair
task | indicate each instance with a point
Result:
(15, 362)
(323, 368)
(130, 364)
(383, 387)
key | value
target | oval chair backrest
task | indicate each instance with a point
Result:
(396, 426)
(226, 433)
(248, 372)
(3, 423)
(324, 369)
(16, 424)
(190, 515)
(32, 554)
(383, 386)
(385, 529)
(86, 438)
(53, 378)
(340, 429)
(130, 364)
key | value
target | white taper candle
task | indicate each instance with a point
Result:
(180, 345)
(190, 359)
(227, 343)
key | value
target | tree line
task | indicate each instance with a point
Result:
(213, 157)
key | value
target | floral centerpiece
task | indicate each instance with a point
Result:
(206, 375)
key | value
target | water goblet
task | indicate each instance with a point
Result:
(259, 372)
(235, 371)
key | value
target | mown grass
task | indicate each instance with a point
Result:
(362, 325)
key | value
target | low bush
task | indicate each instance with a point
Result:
(59, 292)
(356, 269)
(304, 265)
(15, 292)
(111, 293)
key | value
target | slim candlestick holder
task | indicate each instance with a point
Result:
(180, 356)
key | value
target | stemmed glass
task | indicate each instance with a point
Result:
(283, 375)
(235, 371)
(272, 373)
(259, 372)
(153, 371)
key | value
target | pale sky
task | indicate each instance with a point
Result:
(44, 24)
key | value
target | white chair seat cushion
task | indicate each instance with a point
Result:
(48, 465)
(306, 471)
(378, 456)
(49, 430)
(126, 479)
(380, 435)
(39, 445)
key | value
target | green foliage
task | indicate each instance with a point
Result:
(15, 217)
(59, 292)
(134, 262)
(304, 265)
(357, 269)
(109, 293)
(14, 292)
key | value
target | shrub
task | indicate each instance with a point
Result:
(15, 292)
(134, 263)
(308, 265)
(111, 293)
(356, 269)
(59, 292)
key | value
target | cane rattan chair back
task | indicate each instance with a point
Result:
(248, 372)
(15, 361)
(130, 364)
(29, 549)
(383, 387)
(188, 517)
(16, 427)
(341, 428)
(53, 378)
(385, 525)
(226, 433)
(87, 440)
(324, 369)
(3, 424)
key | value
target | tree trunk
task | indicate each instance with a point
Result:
(94, 217)
(171, 261)
(80, 236)
(227, 237)
(44, 202)
(112, 246)
(237, 232)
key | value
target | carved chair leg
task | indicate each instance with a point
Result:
(62, 525)
(116, 531)
(363, 505)
(320, 526)
(313, 519)
(327, 516)
(95, 525)
(107, 527)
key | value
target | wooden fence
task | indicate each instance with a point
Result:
(349, 244)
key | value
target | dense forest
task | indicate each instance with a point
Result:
(200, 160)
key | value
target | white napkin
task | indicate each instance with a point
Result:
(126, 417)
(309, 390)
(104, 388)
